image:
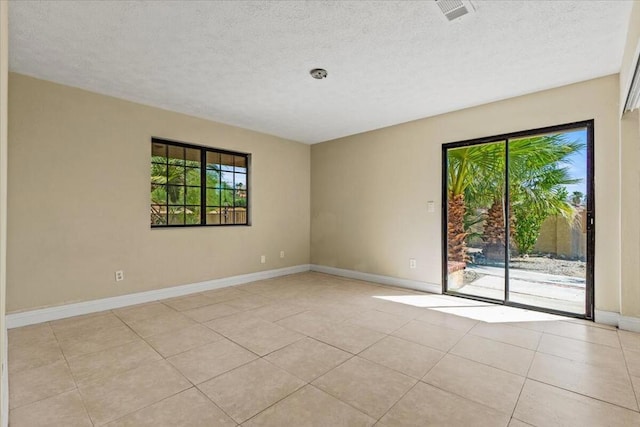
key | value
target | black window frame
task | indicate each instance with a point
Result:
(203, 150)
(589, 126)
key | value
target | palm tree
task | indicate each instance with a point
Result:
(167, 180)
(537, 180)
(464, 166)
(576, 198)
(476, 179)
(166, 186)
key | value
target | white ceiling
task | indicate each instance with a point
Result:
(247, 63)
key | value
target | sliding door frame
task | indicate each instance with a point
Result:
(591, 231)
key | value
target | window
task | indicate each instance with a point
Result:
(196, 186)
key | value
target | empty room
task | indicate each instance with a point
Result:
(319, 213)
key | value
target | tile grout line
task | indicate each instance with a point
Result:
(466, 398)
(504, 342)
(84, 404)
(209, 379)
(397, 401)
(427, 373)
(352, 355)
(168, 362)
(484, 364)
(303, 380)
(131, 369)
(626, 364)
(184, 351)
(582, 394)
(336, 397)
(244, 364)
(585, 363)
(276, 402)
(64, 356)
(400, 372)
(238, 344)
(145, 341)
(448, 352)
(577, 339)
(588, 363)
(307, 384)
(337, 366)
(136, 367)
(151, 404)
(526, 376)
(197, 388)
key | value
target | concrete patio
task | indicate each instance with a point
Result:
(565, 293)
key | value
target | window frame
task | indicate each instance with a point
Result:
(589, 125)
(203, 150)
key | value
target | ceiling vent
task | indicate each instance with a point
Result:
(455, 9)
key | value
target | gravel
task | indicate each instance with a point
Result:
(548, 265)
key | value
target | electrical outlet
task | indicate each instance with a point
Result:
(119, 276)
(263, 259)
(412, 263)
(281, 254)
(431, 206)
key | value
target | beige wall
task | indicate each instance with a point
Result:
(369, 192)
(79, 191)
(79, 199)
(630, 197)
(630, 178)
(4, 70)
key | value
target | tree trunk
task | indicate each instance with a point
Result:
(494, 226)
(456, 235)
(494, 232)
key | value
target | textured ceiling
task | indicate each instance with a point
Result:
(247, 63)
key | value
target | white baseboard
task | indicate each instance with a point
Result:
(31, 317)
(607, 317)
(626, 323)
(4, 410)
(629, 323)
(604, 317)
(376, 278)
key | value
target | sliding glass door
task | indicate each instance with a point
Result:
(476, 184)
(518, 220)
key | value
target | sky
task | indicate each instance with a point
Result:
(578, 161)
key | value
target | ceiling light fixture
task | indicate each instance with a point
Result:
(318, 73)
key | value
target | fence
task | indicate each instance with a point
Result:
(227, 216)
(236, 215)
(563, 238)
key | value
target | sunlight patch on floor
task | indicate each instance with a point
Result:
(500, 314)
(430, 301)
(476, 310)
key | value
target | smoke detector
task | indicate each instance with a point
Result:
(455, 9)
(318, 73)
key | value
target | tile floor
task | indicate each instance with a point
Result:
(318, 350)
